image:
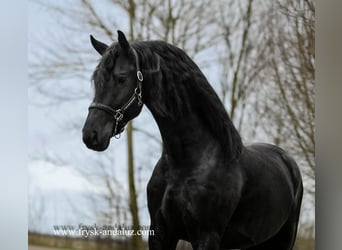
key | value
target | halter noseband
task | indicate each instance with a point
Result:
(119, 113)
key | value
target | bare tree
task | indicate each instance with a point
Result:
(286, 107)
(240, 39)
(109, 202)
(291, 72)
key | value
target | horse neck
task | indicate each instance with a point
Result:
(185, 140)
(181, 110)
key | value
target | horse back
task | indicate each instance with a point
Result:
(270, 160)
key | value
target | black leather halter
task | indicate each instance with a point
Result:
(118, 114)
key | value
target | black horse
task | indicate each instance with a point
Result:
(207, 188)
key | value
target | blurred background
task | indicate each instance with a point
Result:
(258, 55)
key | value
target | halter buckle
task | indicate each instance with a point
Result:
(140, 76)
(118, 115)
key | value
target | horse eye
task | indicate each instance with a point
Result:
(122, 79)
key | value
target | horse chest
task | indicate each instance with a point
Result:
(186, 204)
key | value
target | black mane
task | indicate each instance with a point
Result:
(184, 89)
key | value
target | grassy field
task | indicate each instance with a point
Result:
(50, 242)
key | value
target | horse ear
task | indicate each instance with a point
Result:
(123, 41)
(98, 46)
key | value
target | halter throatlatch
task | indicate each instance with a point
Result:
(118, 114)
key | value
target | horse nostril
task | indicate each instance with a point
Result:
(94, 138)
(90, 138)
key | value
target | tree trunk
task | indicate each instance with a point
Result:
(137, 242)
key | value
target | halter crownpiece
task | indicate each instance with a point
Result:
(119, 113)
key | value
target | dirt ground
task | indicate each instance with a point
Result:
(44, 248)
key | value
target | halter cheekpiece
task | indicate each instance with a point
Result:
(118, 114)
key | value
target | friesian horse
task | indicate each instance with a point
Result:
(207, 187)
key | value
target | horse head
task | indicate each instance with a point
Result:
(118, 92)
